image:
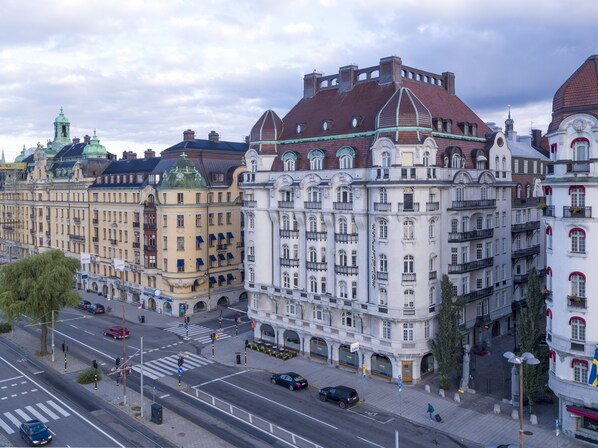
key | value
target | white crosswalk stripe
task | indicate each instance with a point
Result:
(169, 365)
(194, 330)
(38, 411)
(207, 339)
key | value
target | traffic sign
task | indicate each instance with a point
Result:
(354, 347)
(180, 370)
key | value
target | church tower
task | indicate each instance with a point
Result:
(62, 132)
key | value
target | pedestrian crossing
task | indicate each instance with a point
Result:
(43, 411)
(194, 330)
(207, 339)
(169, 365)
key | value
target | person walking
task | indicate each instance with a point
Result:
(431, 411)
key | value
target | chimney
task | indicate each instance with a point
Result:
(149, 153)
(87, 138)
(131, 155)
(449, 82)
(189, 136)
(76, 140)
(346, 78)
(536, 138)
(390, 70)
(311, 84)
(214, 137)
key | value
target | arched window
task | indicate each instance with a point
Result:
(314, 195)
(253, 166)
(251, 249)
(342, 258)
(342, 289)
(289, 160)
(578, 329)
(345, 155)
(382, 263)
(323, 255)
(383, 196)
(456, 161)
(383, 229)
(385, 158)
(285, 222)
(313, 284)
(316, 159)
(497, 164)
(251, 275)
(409, 298)
(519, 189)
(549, 237)
(250, 220)
(344, 194)
(528, 191)
(312, 255)
(408, 229)
(347, 319)
(315, 164)
(578, 241)
(504, 163)
(312, 224)
(580, 371)
(408, 264)
(578, 284)
(285, 252)
(578, 196)
(286, 280)
(432, 297)
(432, 228)
(426, 159)
(580, 149)
(342, 225)
(382, 297)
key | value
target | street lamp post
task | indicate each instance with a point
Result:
(530, 359)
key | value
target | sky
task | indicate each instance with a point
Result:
(141, 72)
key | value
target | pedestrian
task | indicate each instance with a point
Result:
(431, 411)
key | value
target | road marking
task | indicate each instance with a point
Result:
(220, 379)
(375, 444)
(281, 405)
(5, 427)
(39, 372)
(47, 411)
(164, 396)
(89, 332)
(22, 414)
(10, 379)
(15, 421)
(234, 309)
(58, 408)
(37, 414)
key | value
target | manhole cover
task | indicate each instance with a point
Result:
(528, 433)
(181, 434)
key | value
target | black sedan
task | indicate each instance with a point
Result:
(292, 380)
(35, 433)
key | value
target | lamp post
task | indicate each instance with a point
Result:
(530, 359)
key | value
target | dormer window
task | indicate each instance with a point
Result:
(316, 159)
(289, 160)
(345, 155)
(326, 125)
(356, 121)
(300, 128)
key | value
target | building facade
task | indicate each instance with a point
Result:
(378, 182)
(571, 194)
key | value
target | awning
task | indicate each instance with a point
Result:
(213, 257)
(229, 255)
(212, 236)
(221, 278)
(180, 262)
(221, 236)
(212, 280)
(584, 412)
(230, 276)
(229, 235)
(199, 239)
(221, 256)
(199, 261)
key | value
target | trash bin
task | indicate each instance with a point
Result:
(142, 319)
(238, 358)
(156, 413)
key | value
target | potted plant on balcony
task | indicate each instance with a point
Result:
(541, 206)
(574, 298)
(574, 210)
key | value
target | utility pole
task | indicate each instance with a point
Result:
(53, 357)
(141, 373)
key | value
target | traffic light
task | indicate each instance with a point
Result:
(215, 335)
(212, 336)
(117, 362)
(95, 364)
(181, 361)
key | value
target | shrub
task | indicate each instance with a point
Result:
(89, 376)
(5, 327)
(445, 383)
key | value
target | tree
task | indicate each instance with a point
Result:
(528, 336)
(36, 285)
(447, 342)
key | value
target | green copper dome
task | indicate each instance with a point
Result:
(61, 118)
(94, 149)
(21, 156)
(183, 175)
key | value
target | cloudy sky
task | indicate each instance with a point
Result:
(143, 71)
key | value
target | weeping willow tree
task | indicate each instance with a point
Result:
(446, 344)
(35, 286)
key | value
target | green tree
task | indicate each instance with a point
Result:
(447, 342)
(528, 337)
(36, 285)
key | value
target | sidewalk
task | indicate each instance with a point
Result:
(472, 419)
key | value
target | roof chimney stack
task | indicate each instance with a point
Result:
(449, 82)
(311, 84)
(189, 136)
(390, 70)
(149, 153)
(214, 137)
(76, 140)
(86, 139)
(346, 78)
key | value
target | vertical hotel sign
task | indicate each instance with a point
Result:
(373, 255)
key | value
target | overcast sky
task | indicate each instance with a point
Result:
(141, 72)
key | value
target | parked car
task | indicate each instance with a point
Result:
(96, 308)
(117, 332)
(292, 380)
(343, 395)
(84, 305)
(35, 433)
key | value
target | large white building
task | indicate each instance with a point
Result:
(375, 184)
(572, 253)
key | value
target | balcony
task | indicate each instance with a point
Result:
(312, 205)
(576, 302)
(455, 237)
(343, 205)
(520, 278)
(286, 204)
(149, 247)
(549, 211)
(471, 266)
(288, 233)
(289, 262)
(432, 275)
(477, 203)
(483, 321)
(316, 266)
(577, 212)
(95, 239)
(578, 167)
(432, 206)
(250, 204)
(527, 252)
(346, 270)
(382, 173)
(223, 246)
(136, 224)
(113, 242)
(346, 237)
(76, 237)
(136, 245)
(408, 276)
(77, 221)
(94, 221)
(382, 275)
(149, 226)
(315, 236)
(408, 207)
(251, 258)
(382, 207)
(479, 294)
(525, 227)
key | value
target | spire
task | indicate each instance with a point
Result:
(509, 122)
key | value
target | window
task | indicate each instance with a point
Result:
(483, 193)
(344, 194)
(432, 297)
(312, 255)
(291, 308)
(580, 150)
(383, 229)
(197, 198)
(432, 228)
(316, 159)
(382, 195)
(578, 241)
(285, 222)
(313, 194)
(180, 265)
(528, 191)
(180, 243)
(285, 253)
(347, 319)
(578, 284)
(426, 159)
(409, 298)
(323, 285)
(454, 226)
(382, 297)
(180, 220)
(251, 220)
(580, 371)
(313, 284)
(386, 333)
(179, 198)
(408, 331)
(578, 197)
(382, 263)
(286, 280)
(295, 280)
(342, 225)
(342, 290)
(251, 274)
(427, 329)
(456, 161)
(408, 229)
(197, 220)
(578, 329)
(317, 313)
(385, 159)
(408, 264)
(353, 258)
(229, 218)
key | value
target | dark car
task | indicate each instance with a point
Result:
(35, 433)
(84, 305)
(292, 380)
(343, 395)
(118, 332)
(96, 308)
